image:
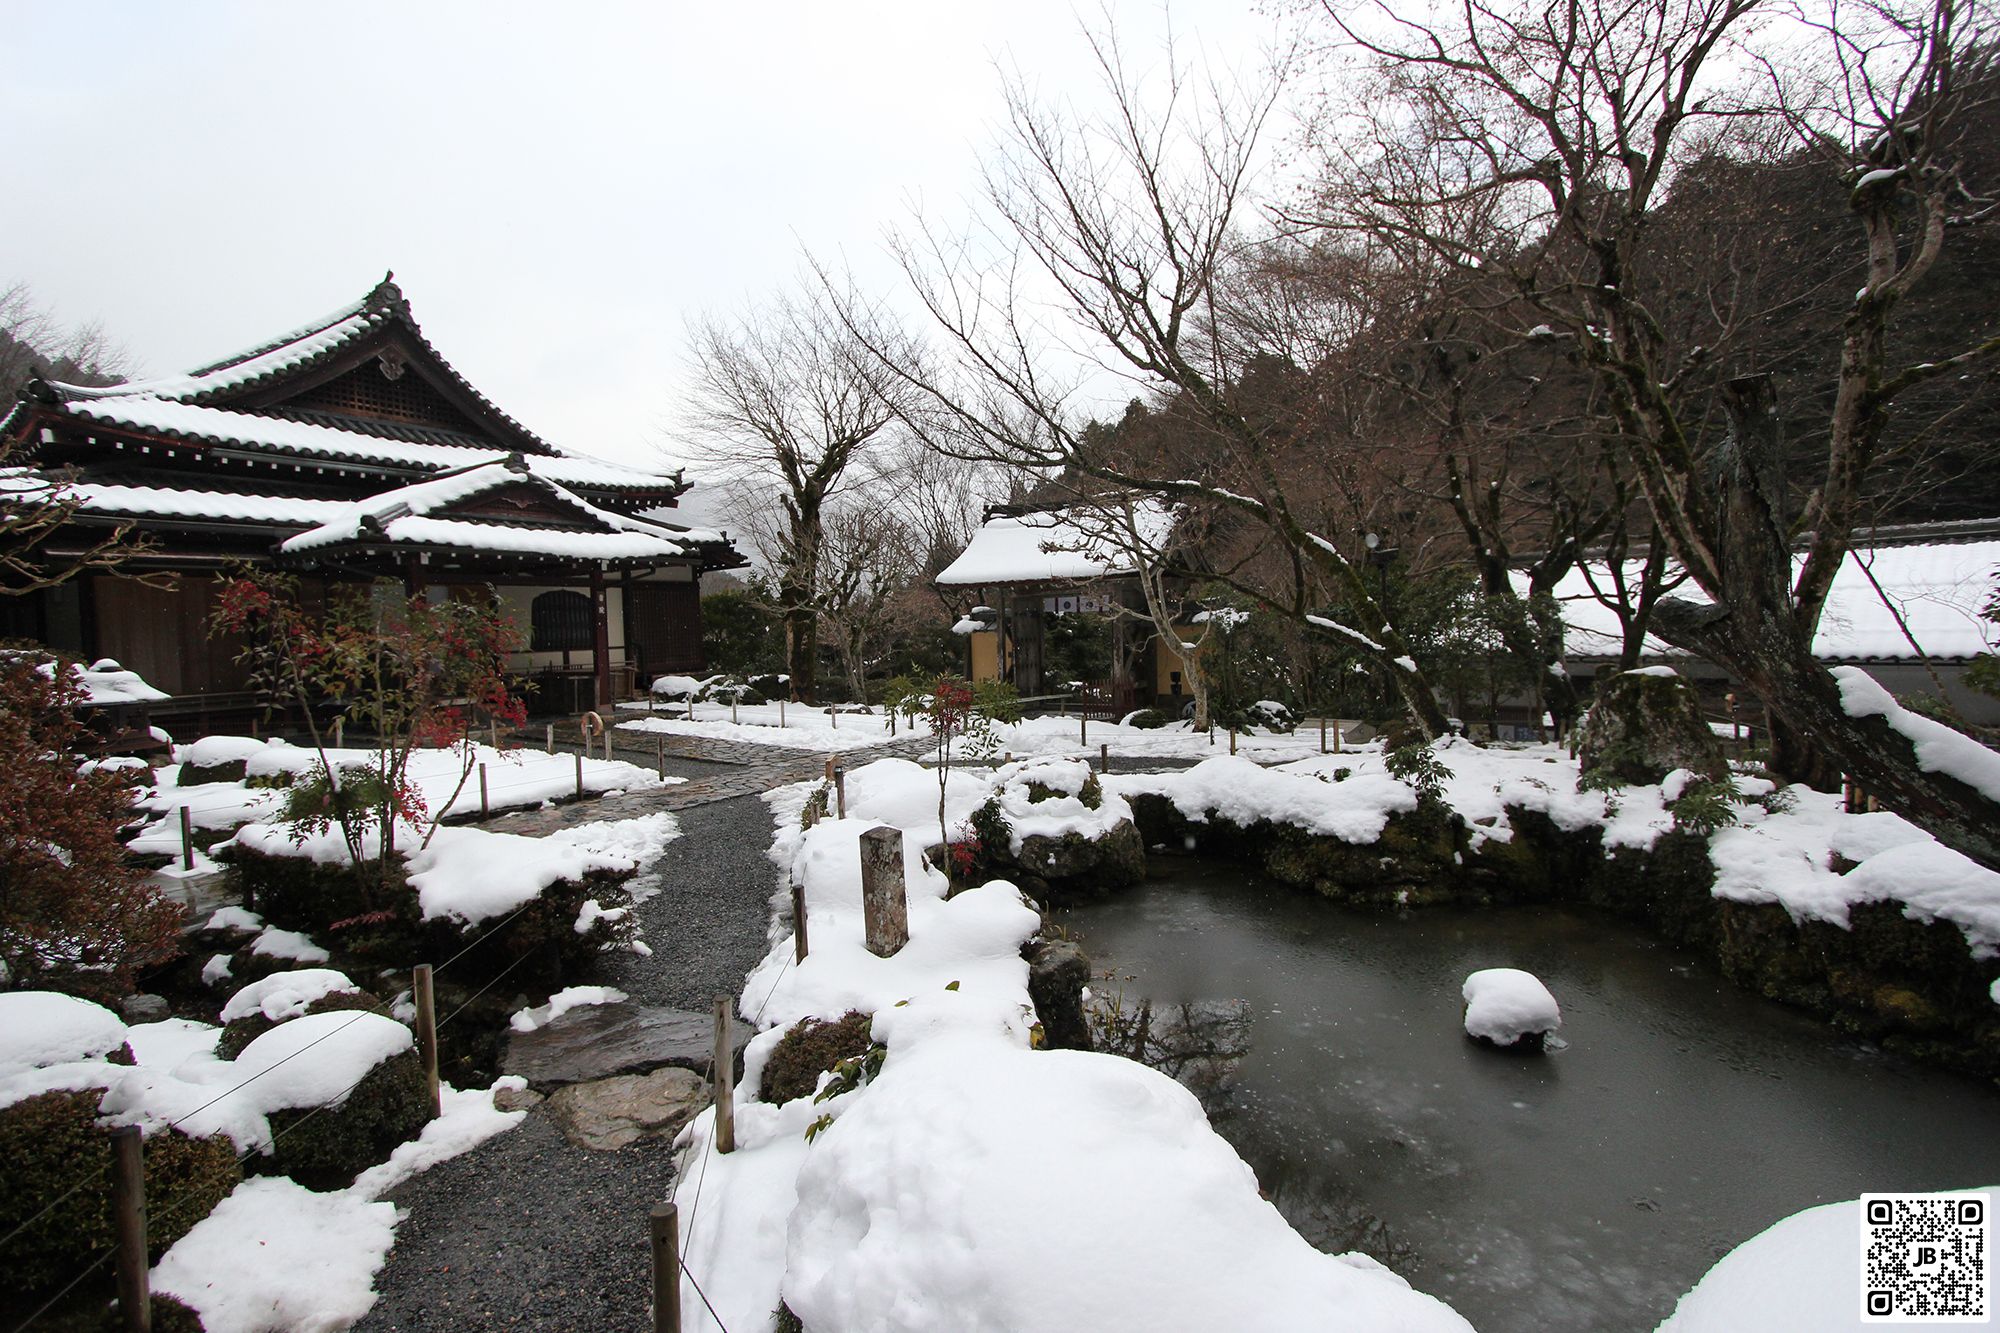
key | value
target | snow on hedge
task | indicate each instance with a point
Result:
(976, 1183)
(1505, 1004)
(275, 1256)
(44, 1028)
(284, 995)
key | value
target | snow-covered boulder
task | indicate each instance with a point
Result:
(284, 995)
(1051, 828)
(40, 1028)
(341, 1090)
(1509, 1007)
(1802, 1275)
(976, 1184)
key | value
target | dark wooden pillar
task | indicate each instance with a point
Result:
(600, 635)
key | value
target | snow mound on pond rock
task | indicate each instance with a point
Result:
(39, 1028)
(1505, 1004)
(316, 1060)
(276, 1257)
(284, 995)
(1803, 1275)
(978, 1185)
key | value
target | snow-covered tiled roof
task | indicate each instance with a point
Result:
(1059, 546)
(409, 515)
(1937, 588)
(280, 435)
(240, 371)
(213, 506)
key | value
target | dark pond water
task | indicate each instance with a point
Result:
(1584, 1189)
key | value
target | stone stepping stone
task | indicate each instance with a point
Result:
(604, 1040)
(610, 1113)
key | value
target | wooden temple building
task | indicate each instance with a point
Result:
(351, 451)
(1030, 562)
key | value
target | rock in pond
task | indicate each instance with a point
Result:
(613, 1112)
(1057, 973)
(600, 1041)
(1509, 1008)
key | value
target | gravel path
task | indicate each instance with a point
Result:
(528, 1232)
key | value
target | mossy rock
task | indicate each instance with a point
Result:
(1642, 726)
(812, 1047)
(235, 1036)
(50, 1142)
(326, 1147)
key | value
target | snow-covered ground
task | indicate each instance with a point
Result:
(976, 1183)
(798, 727)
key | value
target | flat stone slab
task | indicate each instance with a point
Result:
(603, 1040)
(613, 1112)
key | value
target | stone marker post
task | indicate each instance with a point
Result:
(883, 906)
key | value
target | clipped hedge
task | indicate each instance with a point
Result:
(50, 1142)
(235, 1036)
(812, 1047)
(326, 1147)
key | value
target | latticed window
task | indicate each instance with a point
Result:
(561, 622)
(367, 391)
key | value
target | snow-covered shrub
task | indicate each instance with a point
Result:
(238, 1033)
(50, 1142)
(327, 1147)
(75, 914)
(1704, 805)
(1145, 719)
(812, 1047)
(1271, 715)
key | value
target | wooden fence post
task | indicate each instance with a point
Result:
(1083, 728)
(798, 923)
(485, 805)
(427, 1033)
(840, 787)
(549, 739)
(884, 910)
(187, 839)
(493, 733)
(665, 1224)
(579, 775)
(339, 730)
(732, 710)
(128, 1211)
(663, 755)
(607, 745)
(1336, 735)
(1232, 738)
(781, 714)
(1104, 757)
(725, 1080)
(1322, 735)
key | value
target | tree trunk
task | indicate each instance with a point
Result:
(1753, 634)
(802, 652)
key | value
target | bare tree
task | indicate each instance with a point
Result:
(35, 506)
(868, 559)
(1122, 226)
(786, 400)
(1568, 120)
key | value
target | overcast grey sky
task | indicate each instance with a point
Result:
(557, 186)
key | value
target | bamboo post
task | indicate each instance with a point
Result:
(798, 923)
(187, 839)
(840, 788)
(485, 806)
(128, 1210)
(665, 1225)
(427, 1033)
(885, 911)
(579, 775)
(725, 1080)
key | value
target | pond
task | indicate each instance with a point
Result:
(1583, 1189)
